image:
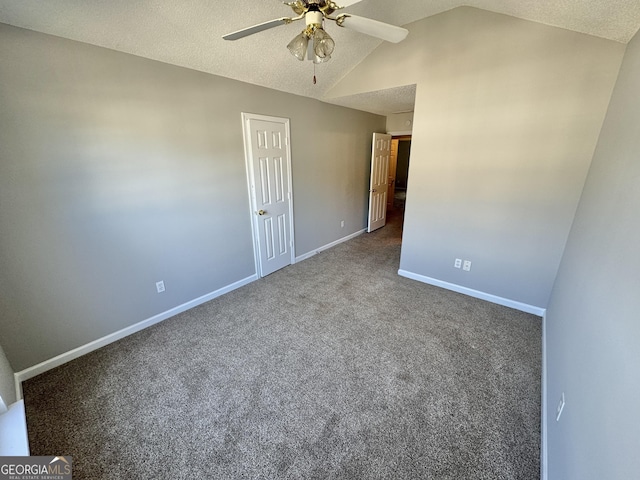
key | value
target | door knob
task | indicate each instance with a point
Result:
(261, 212)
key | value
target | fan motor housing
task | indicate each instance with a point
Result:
(300, 7)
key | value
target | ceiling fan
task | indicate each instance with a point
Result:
(314, 13)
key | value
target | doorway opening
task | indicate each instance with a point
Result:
(398, 173)
(398, 180)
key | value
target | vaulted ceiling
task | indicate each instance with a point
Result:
(189, 34)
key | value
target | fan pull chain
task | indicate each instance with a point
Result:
(314, 73)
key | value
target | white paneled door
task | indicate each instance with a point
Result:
(269, 170)
(378, 188)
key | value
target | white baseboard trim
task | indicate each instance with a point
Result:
(523, 307)
(543, 403)
(329, 245)
(14, 440)
(18, 384)
(31, 372)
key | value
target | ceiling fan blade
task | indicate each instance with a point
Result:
(245, 32)
(377, 29)
(347, 3)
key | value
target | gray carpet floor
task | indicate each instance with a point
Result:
(332, 368)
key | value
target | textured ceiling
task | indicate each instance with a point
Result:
(188, 33)
(382, 102)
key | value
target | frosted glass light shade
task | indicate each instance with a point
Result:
(298, 46)
(323, 44)
(317, 59)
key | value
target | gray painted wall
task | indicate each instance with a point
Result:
(506, 121)
(118, 171)
(397, 122)
(593, 320)
(7, 383)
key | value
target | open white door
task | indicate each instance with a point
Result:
(379, 177)
(268, 157)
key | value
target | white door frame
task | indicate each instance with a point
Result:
(246, 117)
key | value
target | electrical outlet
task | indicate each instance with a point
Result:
(342, 224)
(560, 408)
(467, 265)
(160, 286)
(458, 263)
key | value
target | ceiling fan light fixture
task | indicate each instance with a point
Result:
(314, 13)
(323, 44)
(298, 46)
